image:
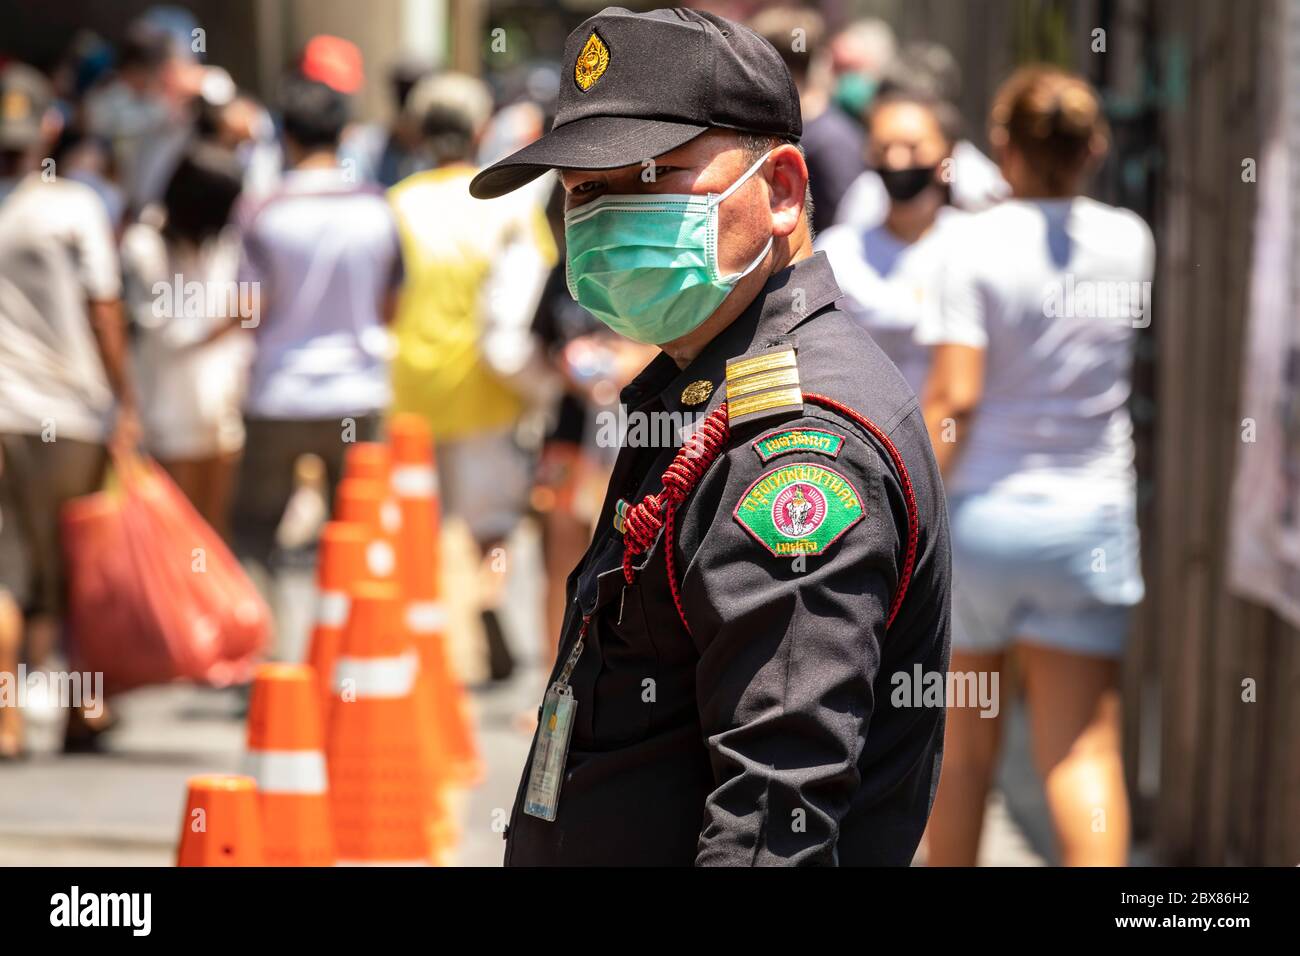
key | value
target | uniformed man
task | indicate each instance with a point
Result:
(736, 677)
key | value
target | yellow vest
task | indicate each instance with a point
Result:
(449, 243)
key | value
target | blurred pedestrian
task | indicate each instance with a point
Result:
(320, 268)
(859, 55)
(180, 264)
(64, 385)
(11, 640)
(891, 273)
(386, 153)
(576, 459)
(1026, 403)
(523, 120)
(86, 159)
(466, 359)
(832, 142)
(930, 71)
(243, 126)
(145, 111)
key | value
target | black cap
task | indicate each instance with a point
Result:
(25, 96)
(637, 85)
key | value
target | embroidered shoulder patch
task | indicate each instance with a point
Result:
(799, 509)
(799, 439)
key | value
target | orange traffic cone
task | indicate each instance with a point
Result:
(379, 781)
(415, 483)
(341, 564)
(221, 825)
(370, 460)
(371, 504)
(286, 756)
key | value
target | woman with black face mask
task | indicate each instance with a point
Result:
(890, 272)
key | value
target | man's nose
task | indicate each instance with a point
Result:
(898, 156)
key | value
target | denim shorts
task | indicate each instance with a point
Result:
(1054, 570)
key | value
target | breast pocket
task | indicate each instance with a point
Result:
(616, 677)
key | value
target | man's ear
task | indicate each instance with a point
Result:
(788, 185)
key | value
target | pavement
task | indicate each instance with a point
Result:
(124, 807)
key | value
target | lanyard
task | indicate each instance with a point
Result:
(567, 671)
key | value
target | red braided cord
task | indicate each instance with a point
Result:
(644, 519)
(670, 539)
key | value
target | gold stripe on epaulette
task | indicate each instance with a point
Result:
(760, 363)
(761, 381)
(777, 400)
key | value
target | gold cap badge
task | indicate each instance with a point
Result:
(697, 392)
(591, 64)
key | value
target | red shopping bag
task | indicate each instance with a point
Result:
(154, 595)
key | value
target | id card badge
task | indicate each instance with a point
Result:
(543, 796)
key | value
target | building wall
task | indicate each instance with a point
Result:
(1229, 783)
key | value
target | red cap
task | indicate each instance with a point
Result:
(334, 61)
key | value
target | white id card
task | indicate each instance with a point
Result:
(543, 796)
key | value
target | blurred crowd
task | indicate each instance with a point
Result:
(239, 288)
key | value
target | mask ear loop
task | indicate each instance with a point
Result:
(745, 176)
(716, 228)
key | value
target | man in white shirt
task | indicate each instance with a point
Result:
(324, 256)
(64, 390)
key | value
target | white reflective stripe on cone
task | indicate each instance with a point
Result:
(425, 617)
(415, 481)
(332, 608)
(287, 771)
(375, 677)
(380, 558)
(390, 516)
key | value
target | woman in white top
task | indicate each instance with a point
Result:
(1026, 401)
(181, 262)
(890, 272)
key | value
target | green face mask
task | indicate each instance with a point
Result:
(647, 266)
(853, 92)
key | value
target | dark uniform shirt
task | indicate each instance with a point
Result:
(784, 727)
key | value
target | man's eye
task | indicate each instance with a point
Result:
(585, 188)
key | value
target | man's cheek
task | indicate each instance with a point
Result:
(744, 223)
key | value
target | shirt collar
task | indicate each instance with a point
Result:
(315, 177)
(788, 299)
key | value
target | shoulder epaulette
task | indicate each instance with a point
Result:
(763, 385)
